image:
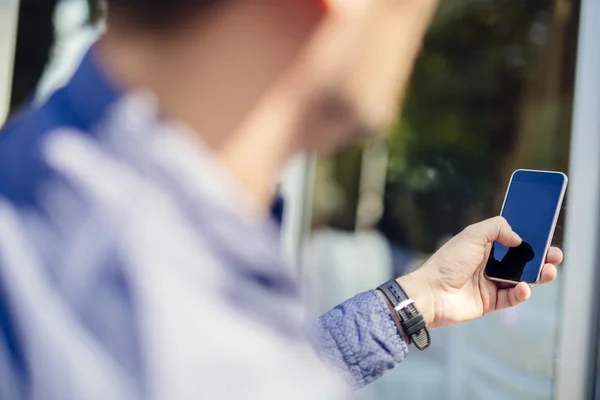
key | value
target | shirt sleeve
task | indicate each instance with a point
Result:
(360, 339)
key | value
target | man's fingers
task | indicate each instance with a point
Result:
(554, 256)
(514, 296)
(549, 273)
(496, 229)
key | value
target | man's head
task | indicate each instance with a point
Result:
(347, 60)
(273, 76)
(156, 15)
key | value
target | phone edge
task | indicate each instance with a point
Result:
(552, 229)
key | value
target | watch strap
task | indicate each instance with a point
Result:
(412, 321)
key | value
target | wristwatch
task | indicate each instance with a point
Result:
(411, 320)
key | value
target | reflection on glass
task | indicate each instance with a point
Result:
(510, 266)
(491, 93)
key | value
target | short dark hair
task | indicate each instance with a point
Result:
(158, 14)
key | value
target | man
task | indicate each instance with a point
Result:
(137, 258)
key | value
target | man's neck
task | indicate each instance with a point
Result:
(221, 95)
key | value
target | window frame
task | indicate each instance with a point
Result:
(578, 326)
(298, 182)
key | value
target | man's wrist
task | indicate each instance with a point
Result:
(422, 295)
(394, 315)
(420, 292)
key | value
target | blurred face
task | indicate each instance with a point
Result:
(263, 70)
(357, 66)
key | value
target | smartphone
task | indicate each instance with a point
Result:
(532, 205)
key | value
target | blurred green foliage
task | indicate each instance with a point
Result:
(494, 79)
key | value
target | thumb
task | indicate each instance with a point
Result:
(497, 229)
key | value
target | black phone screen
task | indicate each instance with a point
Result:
(532, 202)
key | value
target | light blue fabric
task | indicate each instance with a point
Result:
(127, 272)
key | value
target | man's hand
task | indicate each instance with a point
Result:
(451, 286)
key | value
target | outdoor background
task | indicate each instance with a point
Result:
(492, 92)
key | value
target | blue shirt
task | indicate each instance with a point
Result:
(127, 270)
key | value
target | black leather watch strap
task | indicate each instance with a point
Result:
(411, 319)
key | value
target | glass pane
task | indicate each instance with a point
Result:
(492, 92)
(52, 37)
(8, 31)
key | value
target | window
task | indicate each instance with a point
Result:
(8, 32)
(492, 92)
(50, 38)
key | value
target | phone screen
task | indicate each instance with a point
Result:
(532, 203)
